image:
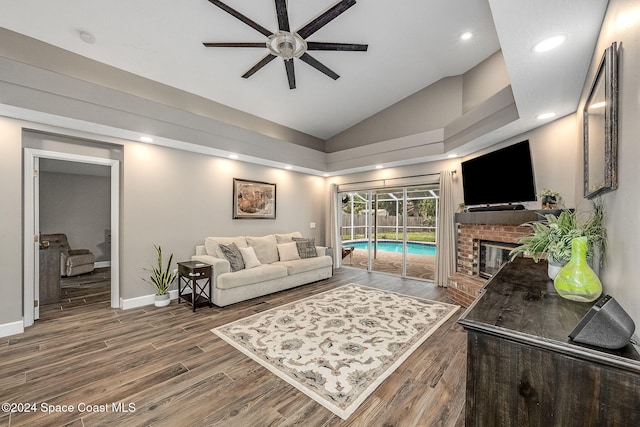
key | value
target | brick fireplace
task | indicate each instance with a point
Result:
(472, 228)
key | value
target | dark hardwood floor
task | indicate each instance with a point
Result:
(166, 368)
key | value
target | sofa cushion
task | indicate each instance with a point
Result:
(233, 255)
(286, 238)
(249, 257)
(265, 247)
(255, 275)
(288, 251)
(303, 265)
(212, 244)
(306, 247)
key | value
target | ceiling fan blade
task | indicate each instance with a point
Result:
(291, 75)
(318, 65)
(323, 19)
(337, 46)
(283, 17)
(234, 44)
(231, 11)
(264, 61)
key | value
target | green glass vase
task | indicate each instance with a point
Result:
(576, 280)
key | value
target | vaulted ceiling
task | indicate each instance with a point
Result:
(412, 44)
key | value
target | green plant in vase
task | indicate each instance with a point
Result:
(161, 278)
(551, 237)
(549, 198)
(576, 280)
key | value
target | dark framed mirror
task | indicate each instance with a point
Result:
(601, 128)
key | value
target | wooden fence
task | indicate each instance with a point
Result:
(386, 224)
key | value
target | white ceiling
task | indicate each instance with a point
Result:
(412, 44)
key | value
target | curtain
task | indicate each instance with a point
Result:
(446, 233)
(334, 227)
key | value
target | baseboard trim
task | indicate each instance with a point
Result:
(102, 264)
(142, 301)
(12, 328)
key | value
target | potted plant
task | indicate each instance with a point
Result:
(551, 237)
(161, 278)
(549, 198)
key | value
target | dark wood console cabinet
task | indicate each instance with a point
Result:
(523, 370)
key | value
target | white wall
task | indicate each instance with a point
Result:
(176, 198)
(10, 222)
(622, 270)
(79, 206)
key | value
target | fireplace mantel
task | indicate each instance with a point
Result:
(499, 217)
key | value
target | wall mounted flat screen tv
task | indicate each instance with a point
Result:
(502, 176)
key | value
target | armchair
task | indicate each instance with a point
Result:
(72, 261)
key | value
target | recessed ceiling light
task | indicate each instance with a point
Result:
(288, 167)
(544, 116)
(233, 156)
(452, 156)
(326, 175)
(87, 37)
(379, 166)
(146, 139)
(550, 43)
(466, 35)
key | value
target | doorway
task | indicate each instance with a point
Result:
(32, 159)
(391, 230)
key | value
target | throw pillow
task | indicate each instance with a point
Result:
(286, 238)
(306, 247)
(265, 248)
(212, 244)
(249, 257)
(233, 255)
(288, 251)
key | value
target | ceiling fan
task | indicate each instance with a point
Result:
(287, 44)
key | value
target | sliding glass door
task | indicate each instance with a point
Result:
(391, 230)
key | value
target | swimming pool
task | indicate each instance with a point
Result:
(416, 248)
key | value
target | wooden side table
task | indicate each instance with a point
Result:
(197, 277)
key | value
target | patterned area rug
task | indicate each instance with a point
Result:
(338, 346)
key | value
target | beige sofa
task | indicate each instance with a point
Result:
(278, 265)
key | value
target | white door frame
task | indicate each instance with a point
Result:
(31, 225)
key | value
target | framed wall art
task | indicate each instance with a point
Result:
(601, 128)
(253, 199)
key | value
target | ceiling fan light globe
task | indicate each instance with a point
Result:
(286, 45)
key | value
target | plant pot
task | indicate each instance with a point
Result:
(553, 267)
(549, 202)
(162, 300)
